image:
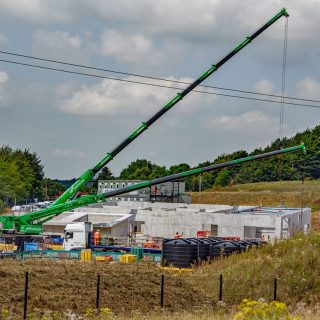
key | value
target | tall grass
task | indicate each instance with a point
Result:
(295, 263)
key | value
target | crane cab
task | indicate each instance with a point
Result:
(77, 236)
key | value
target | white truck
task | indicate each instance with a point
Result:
(77, 236)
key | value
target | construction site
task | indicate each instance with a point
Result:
(139, 247)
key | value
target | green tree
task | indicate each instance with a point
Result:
(105, 174)
(223, 178)
(179, 168)
(21, 174)
(142, 169)
(38, 174)
(51, 189)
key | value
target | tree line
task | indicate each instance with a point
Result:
(292, 166)
(22, 176)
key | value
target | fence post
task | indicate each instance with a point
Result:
(275, 289)
(26, 285)
(98, 293)
(162, 291)
(220, 287)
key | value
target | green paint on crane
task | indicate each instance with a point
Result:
(283, 12)
(87, 176)
(172, 102)
(303, 148)
(108, 157)
(242, 44)
(207, 73)
(190, 172)
(139, 130)
(242, 160)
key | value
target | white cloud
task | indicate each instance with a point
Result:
(308, 87)
(69, 153)
(3, 77)
(5, 94)
(37, 11)
(110, 97)
(265, 86)
(3, 39)
(253, 123)
(57, 39)
(74, 41)
(63, 45)
(218, 21)
(206, 19)
(129, 48)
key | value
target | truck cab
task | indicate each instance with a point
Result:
(77, 235)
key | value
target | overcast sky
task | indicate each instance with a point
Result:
(71, 121)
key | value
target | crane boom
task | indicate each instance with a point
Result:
(32, 223)
(89, 174)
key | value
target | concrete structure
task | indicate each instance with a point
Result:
(164, 192)
(243, 222)
(147, 219)
(113, 225)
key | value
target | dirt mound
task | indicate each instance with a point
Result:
(71, 285)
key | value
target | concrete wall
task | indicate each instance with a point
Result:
(165, 223)
(165, 219)
(165, 206)
(121, 230)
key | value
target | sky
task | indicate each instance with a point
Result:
(71, 120)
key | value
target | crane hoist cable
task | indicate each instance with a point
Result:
(280, 162)
(283, 79)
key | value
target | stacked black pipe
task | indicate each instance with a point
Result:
(183, 253)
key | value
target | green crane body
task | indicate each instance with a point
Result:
(89, 174)
(32, 223)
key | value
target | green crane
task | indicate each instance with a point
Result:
(89, 174)
(32, 223)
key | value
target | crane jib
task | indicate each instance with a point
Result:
(80, 183)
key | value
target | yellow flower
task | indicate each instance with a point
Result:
(257, 310)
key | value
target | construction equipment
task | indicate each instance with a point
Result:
(89, 174)
(32, 223)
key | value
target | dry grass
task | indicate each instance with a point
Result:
(276, 186)
(71, 285)
(132, 291)
(303, 313)
(250, 275)
(288, 193)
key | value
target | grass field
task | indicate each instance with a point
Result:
(133, 291)
(289, 193)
